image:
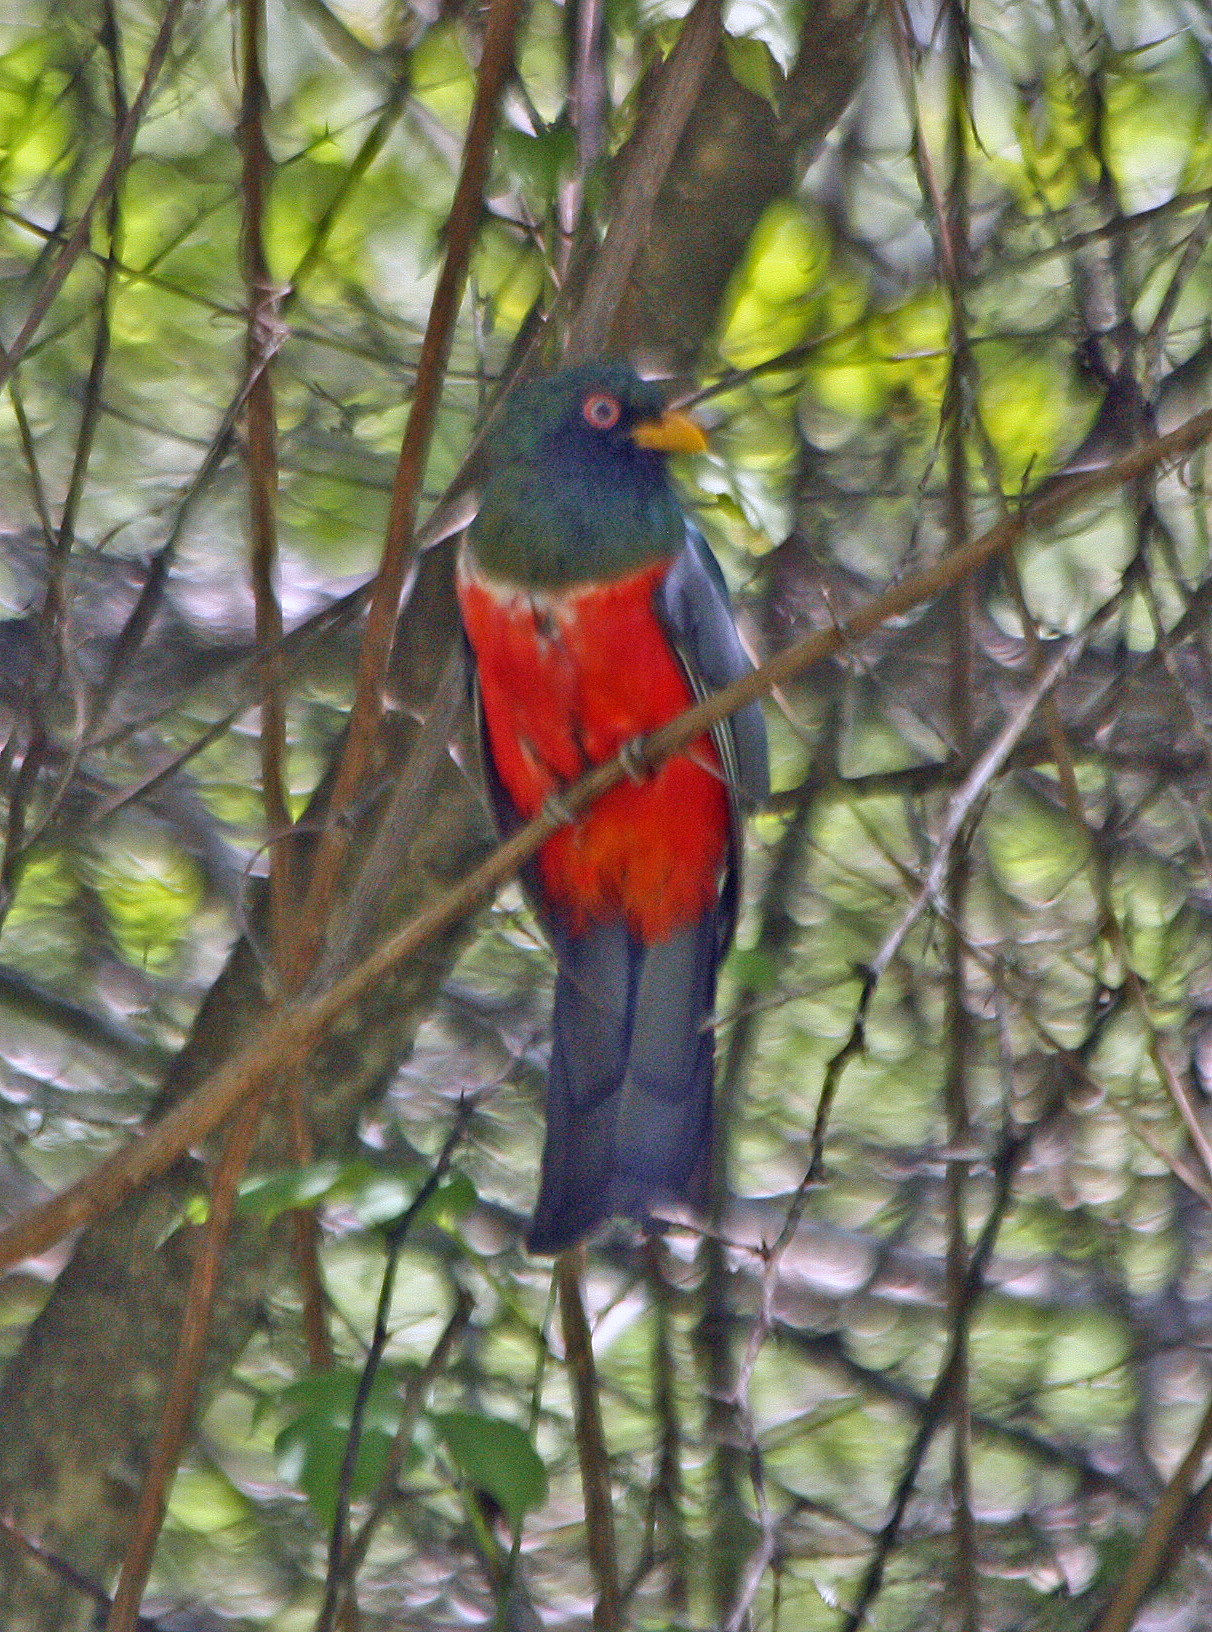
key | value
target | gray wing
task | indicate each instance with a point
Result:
(692, 604)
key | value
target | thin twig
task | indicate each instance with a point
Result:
(591, 1442)
(955, 230)
(54, 1565)
(91, 408)
(261, 339)
(667, 1491)
(1153, 345)
(415, 1395)
(362, 909)
(974, 789)
(1013, 1150)
(29, 453)
(342, 1562)
(124, 143)
(372, 145)
(263, 336)
(131, 636)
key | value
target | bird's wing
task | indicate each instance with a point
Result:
(692, 604)
(506, 816)
(694, 607)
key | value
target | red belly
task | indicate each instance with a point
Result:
(566, 680)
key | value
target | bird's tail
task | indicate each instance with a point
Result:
(630, 1086)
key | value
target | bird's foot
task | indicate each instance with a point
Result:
(556, 807)
(634, 760)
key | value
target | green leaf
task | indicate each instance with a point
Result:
(441, 75)
(756, 968)
(378, 1195)
(451, 1201)
(310, 1447)
(536, 162)
(751, 64)
(194, 1210)
(270, 1194)
(495, 1456)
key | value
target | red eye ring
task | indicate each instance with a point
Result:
(601, 410)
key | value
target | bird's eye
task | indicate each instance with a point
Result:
(601, 410)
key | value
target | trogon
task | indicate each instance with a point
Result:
(595, 612)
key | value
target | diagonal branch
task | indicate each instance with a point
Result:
(1164, 1522)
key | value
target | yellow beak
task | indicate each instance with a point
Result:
(674, 432)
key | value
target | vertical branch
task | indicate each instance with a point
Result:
(345, 1553)
(260, 341)
(591, 1442)
(1010, 1157)
(307, 1232)
(59, 540)
(496, 67)
(262, 337)
(731, 1529)
(416, 1392)
(91, 409)
(177, 1413)
(587, 113)
(950, 212)
(730, 1523)
(668, 1493)
(150, 595)
(958, 1021)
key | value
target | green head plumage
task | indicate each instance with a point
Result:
(577, 489)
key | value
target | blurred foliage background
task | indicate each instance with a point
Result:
(928, 259)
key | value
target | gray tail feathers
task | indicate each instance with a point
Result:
(630, 1085)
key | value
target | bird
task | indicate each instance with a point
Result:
(594, 612)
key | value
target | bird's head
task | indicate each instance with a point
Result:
(577, 488)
